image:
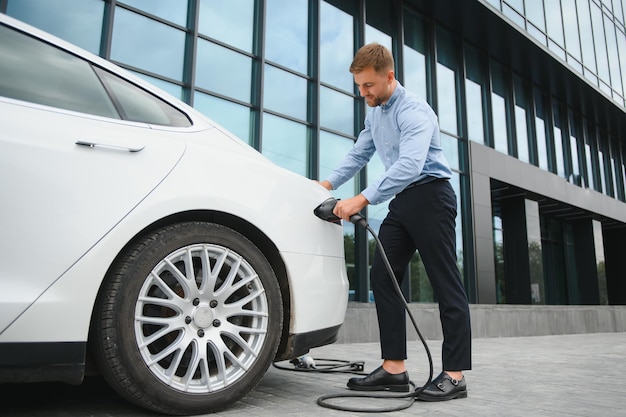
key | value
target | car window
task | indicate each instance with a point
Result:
(40, 73)
(138, 105)
(37, 72)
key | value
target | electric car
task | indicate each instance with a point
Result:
(143, 241)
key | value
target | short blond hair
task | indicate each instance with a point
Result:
(372, 55)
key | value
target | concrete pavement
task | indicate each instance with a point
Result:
(577, 375)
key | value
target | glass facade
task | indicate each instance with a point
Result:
(275, 73)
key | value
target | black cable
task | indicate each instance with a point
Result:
(322, 401)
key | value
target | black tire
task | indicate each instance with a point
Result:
(188, 346)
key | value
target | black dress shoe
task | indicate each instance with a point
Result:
(381, 380)
(444, 388)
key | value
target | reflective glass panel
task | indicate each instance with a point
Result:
(614, 64)
(586, 36)
(599, 42)
(558, 141)
(446, 82)
(173, 89)
(223, 71)
(336, 47)
(574, 144)
(77, 21)
(234, 117)
(540, 125)
(446, 99)
(553, 19)
(285, 92)
(591, 157)
(474, 95)
(286, 39)
(172, 10)
(144, 43)
(414, 55)
(535, 14)
(570, 25)
(336, 111)
(229, 21)
(498, 109)
(374, 35)
(450, 146)
(521, 126)
(285, 143)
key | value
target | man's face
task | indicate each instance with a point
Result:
(374, 87)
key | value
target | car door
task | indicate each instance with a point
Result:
(69, 171)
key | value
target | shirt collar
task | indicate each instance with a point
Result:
(396, 93)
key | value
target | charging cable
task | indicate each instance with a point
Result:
(325, 212)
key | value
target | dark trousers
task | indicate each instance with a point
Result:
(422, 218)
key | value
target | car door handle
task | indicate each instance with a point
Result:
(109, 146)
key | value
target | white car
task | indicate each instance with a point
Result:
(138, 233)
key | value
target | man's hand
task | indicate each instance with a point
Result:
(348, 207)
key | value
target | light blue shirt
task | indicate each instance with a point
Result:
(405, 132)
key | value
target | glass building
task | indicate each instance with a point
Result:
(530, 94)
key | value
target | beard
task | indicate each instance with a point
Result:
(373, 101)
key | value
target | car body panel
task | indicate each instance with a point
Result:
(100, 185)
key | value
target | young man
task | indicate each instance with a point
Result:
(404, 130)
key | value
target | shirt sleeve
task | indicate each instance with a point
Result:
(416, 126)
(355, 159)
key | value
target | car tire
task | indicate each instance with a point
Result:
(189, 320)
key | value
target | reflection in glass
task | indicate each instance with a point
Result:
(223, 71)
(234, 117)
(146, 44)
(540, 125)
(521, 128)
(172, 10)
(229, 21)
(286, 37)
(285, 93)
(586, 36)
(450, 147)
(498, 251)
(415, 72)
(553, 19)
(374, 35)
(614, 64)
(498, 109)
(77, 21)
(574, 149)
(336, 111)
(336, 47)
(285, 143)
(558, 141)
(446, 99)
(535, 14)
(474, 95)
(570, 24)
(414, 55)
(446, 81)
(173, 89)
(599, 42)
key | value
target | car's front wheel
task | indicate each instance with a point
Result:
(189, 320)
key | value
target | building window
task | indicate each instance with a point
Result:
(475, 88)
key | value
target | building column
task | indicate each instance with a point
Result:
(482, 220)
(615, 263)
(523, 265)
(589, 262)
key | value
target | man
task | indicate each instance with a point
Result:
(404, 130)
